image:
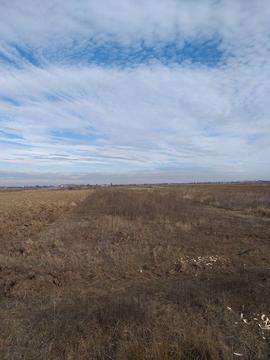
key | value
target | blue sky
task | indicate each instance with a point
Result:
(134, 91)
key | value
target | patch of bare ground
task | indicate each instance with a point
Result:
(161, 273)
(24, 213)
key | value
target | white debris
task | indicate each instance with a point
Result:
(204, 261)
(243, 319)
(265, 323)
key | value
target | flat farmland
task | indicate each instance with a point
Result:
(24, 213)
(175, 272)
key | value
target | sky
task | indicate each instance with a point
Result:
(134, 91)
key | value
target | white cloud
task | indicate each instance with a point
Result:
(145, 118)
(242, 25)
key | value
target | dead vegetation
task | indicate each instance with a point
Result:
(162, 273)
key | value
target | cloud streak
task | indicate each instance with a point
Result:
(133, 88)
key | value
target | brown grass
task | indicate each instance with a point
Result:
(162, 273)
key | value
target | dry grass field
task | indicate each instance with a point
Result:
(177, 272)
